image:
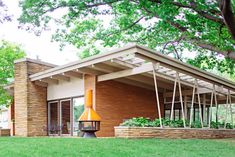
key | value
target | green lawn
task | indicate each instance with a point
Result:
(111, 147)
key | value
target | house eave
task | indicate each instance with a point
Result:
(151, 55)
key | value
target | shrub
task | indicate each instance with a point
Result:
(156, 123)
(229, 126)
(196, 124)
(166, 122)
(215, 125)
(140, 121)
(145, 122)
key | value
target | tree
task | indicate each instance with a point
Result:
(170, 26)
(4, 16)
(8, 53)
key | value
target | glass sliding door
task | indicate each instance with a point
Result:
(65, 116)
(78, 108)
(53, 118)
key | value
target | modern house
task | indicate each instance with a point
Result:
(132, 81)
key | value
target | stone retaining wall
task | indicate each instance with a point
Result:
(153, 132)
(5, 132)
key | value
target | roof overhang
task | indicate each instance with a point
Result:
(133, 63)
(10, 88)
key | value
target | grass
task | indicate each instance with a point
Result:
(111, 147)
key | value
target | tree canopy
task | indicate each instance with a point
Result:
(4, 15)
(8, 53)
(169, 26)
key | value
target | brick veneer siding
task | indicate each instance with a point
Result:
(149, 132)
(117, 101)
(30, 100)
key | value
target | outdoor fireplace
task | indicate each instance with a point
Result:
(89, 121)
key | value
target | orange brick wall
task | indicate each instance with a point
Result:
(118, 101)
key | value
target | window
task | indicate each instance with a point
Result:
(167, 114)
(78, 108)
(177, 114)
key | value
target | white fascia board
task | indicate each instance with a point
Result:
(85, 62)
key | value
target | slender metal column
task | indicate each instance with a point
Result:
(181, 99)
(210, 115)
(216, 106)
(199, 104)
(173, 99)
(226, 112)
(156, 91)
(191, 109)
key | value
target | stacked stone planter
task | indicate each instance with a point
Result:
(180, 133)
(5, 132)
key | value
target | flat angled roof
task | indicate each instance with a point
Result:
(142, 53)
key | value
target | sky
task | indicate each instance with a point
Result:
(41, 46)
(35, 46)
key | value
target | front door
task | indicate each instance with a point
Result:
(63, 116)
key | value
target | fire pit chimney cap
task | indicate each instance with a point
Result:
(89, 114)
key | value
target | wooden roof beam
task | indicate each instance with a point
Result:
(104, 68)
(142, 78)
(73, 74)
(136, 83)
(125, 73)
(89, 71)
(50, 80)
(61, 77)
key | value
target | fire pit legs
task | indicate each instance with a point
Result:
(90, 134)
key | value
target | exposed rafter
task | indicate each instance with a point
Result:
(50, 80)
(61, 77)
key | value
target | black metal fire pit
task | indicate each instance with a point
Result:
(89, 121)
(89, 128)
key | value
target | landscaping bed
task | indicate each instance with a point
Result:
(145, 128)
(5, 132)
(156, 132)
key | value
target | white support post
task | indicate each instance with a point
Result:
(173, 99)
(156, 91)
(226, 112)
(181, 99)
(210, 114)
(199, 104)
(191, 109)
